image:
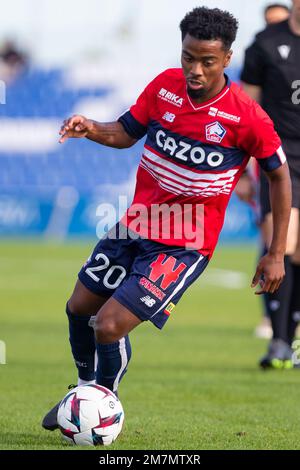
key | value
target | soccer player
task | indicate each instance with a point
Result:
(201, 130)
(270, 76)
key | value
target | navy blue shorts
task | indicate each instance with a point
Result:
(146, 277)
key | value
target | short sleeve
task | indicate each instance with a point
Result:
(136, 120)
(254, 65)
(261, 141)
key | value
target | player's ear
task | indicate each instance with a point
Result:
(227, 58)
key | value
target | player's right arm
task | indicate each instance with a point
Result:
(111, 134)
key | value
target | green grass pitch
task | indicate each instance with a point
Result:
(195, 385)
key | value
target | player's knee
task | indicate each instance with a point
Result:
(106, 330)
(296, 256)
(76, 306)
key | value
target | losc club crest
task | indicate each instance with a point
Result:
(215, 132)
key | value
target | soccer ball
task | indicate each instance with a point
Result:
(90, 415)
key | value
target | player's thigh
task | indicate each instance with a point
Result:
(105, 270)
(85, 302)
(292, 237)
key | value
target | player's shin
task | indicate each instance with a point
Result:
(82, 341)
(294, 314)
(278, 304)
(112, 364)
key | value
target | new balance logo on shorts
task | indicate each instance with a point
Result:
(148, 301)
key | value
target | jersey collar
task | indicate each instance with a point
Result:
(219, 96)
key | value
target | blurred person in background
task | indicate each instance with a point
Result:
(247, 187)
(275, 13)
(270, 75)
(12, 61)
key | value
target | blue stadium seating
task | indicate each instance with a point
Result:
(83, 164)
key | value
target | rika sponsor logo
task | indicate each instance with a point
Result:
(170, 97)
(215, 132)
(169, 117)
(216, 112)
(148, 301)
(169, 308)
(149, 286)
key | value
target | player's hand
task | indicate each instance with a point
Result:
(269, 273)
(76, 126)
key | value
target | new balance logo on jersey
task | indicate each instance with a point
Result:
(148, 301)
(170, 97)
(169, 117)
(284, 51)
(215, 132)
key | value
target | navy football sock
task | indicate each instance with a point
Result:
(278, 304)
(112, 364)
(83, 347)
(294, 314)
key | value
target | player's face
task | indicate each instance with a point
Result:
(203, 64)
(276, 15)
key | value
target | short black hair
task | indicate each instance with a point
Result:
(210, 24)
(276, 5)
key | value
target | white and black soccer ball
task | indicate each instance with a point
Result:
(90, 415)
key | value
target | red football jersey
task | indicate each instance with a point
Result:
(193, 157)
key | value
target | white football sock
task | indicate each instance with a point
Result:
(85, 382)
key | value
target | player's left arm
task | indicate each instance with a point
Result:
(270, 270)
